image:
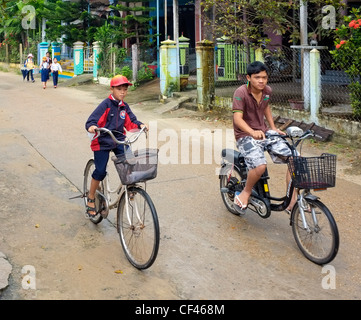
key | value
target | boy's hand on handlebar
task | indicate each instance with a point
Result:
(92, 129)
(144, 125)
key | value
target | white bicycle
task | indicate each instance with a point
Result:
(137, 219)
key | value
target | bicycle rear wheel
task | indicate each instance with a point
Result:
(320, 241)
(138, 227)
(88, 171)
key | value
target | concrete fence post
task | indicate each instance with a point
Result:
(205, 74)
(169, 74)
(78, 58)
(315, 84)
(21, 54)
(56, 50)
(96, 51)
(259, 55)
(135, 61)
(43, 49)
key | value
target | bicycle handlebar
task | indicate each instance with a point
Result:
(293, 146)
(305, 135)
(128, 141)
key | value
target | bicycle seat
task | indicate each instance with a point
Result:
(232, 156)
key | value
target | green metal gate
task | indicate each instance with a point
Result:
(226, 61)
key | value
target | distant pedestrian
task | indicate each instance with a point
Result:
(44, 69)
(24, 71)
(29, 65)
(55, 69)
(50, 61)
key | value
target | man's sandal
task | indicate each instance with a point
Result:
(90, 209)
(238, 205)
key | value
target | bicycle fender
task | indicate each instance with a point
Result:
(221, 171)
(311, 197)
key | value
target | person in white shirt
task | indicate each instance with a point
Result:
(45, 69)
(55, 69)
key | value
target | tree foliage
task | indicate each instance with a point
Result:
(249, 21)
(136, 20)
(347, 55)
(72, 21)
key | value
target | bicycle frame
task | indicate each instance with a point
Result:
(106, 185)
(113, 203)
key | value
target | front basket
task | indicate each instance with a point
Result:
(141, 166)
(313, 172)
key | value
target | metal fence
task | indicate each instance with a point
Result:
(285, 80)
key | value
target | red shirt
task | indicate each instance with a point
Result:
(253, 113)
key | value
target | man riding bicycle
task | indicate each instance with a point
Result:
(250, 108)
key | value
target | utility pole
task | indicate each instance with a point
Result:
(175, 36)
(305, 54)
(165, 20)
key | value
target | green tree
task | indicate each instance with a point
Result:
(248, 21)
(107, 35)
(12, 30)
(136, 21)
(347, 55)
(70, 20)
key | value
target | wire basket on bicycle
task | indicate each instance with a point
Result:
(140, 166)
(313, 172)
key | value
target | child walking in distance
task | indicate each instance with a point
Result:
(55, 69)
(114, 114)
(45, 68)
(29, 64)
(250, 108)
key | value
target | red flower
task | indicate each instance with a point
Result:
(338, 46)
(352, 23)
(343, 42)
(356, 26)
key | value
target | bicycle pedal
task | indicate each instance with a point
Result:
(224, 190)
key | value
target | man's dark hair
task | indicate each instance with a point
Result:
(256, 67)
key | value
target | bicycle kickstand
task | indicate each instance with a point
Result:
(82, 195)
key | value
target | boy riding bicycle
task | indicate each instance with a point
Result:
(114, 114)
(250, 108)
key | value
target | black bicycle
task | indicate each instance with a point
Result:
(313, 225)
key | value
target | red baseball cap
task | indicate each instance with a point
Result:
(119, 80)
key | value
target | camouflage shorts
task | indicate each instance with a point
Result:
(253, 150)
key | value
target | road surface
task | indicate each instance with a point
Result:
(205, 252)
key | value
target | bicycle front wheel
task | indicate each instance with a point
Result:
(138, 227)
(319, 241)
(88, 171)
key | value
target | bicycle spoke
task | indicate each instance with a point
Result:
(138, 229)
(319, 241)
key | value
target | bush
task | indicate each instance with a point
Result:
(127, 72)
(347, 55)
(145, 73)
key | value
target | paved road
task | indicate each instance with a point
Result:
(205, 252)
